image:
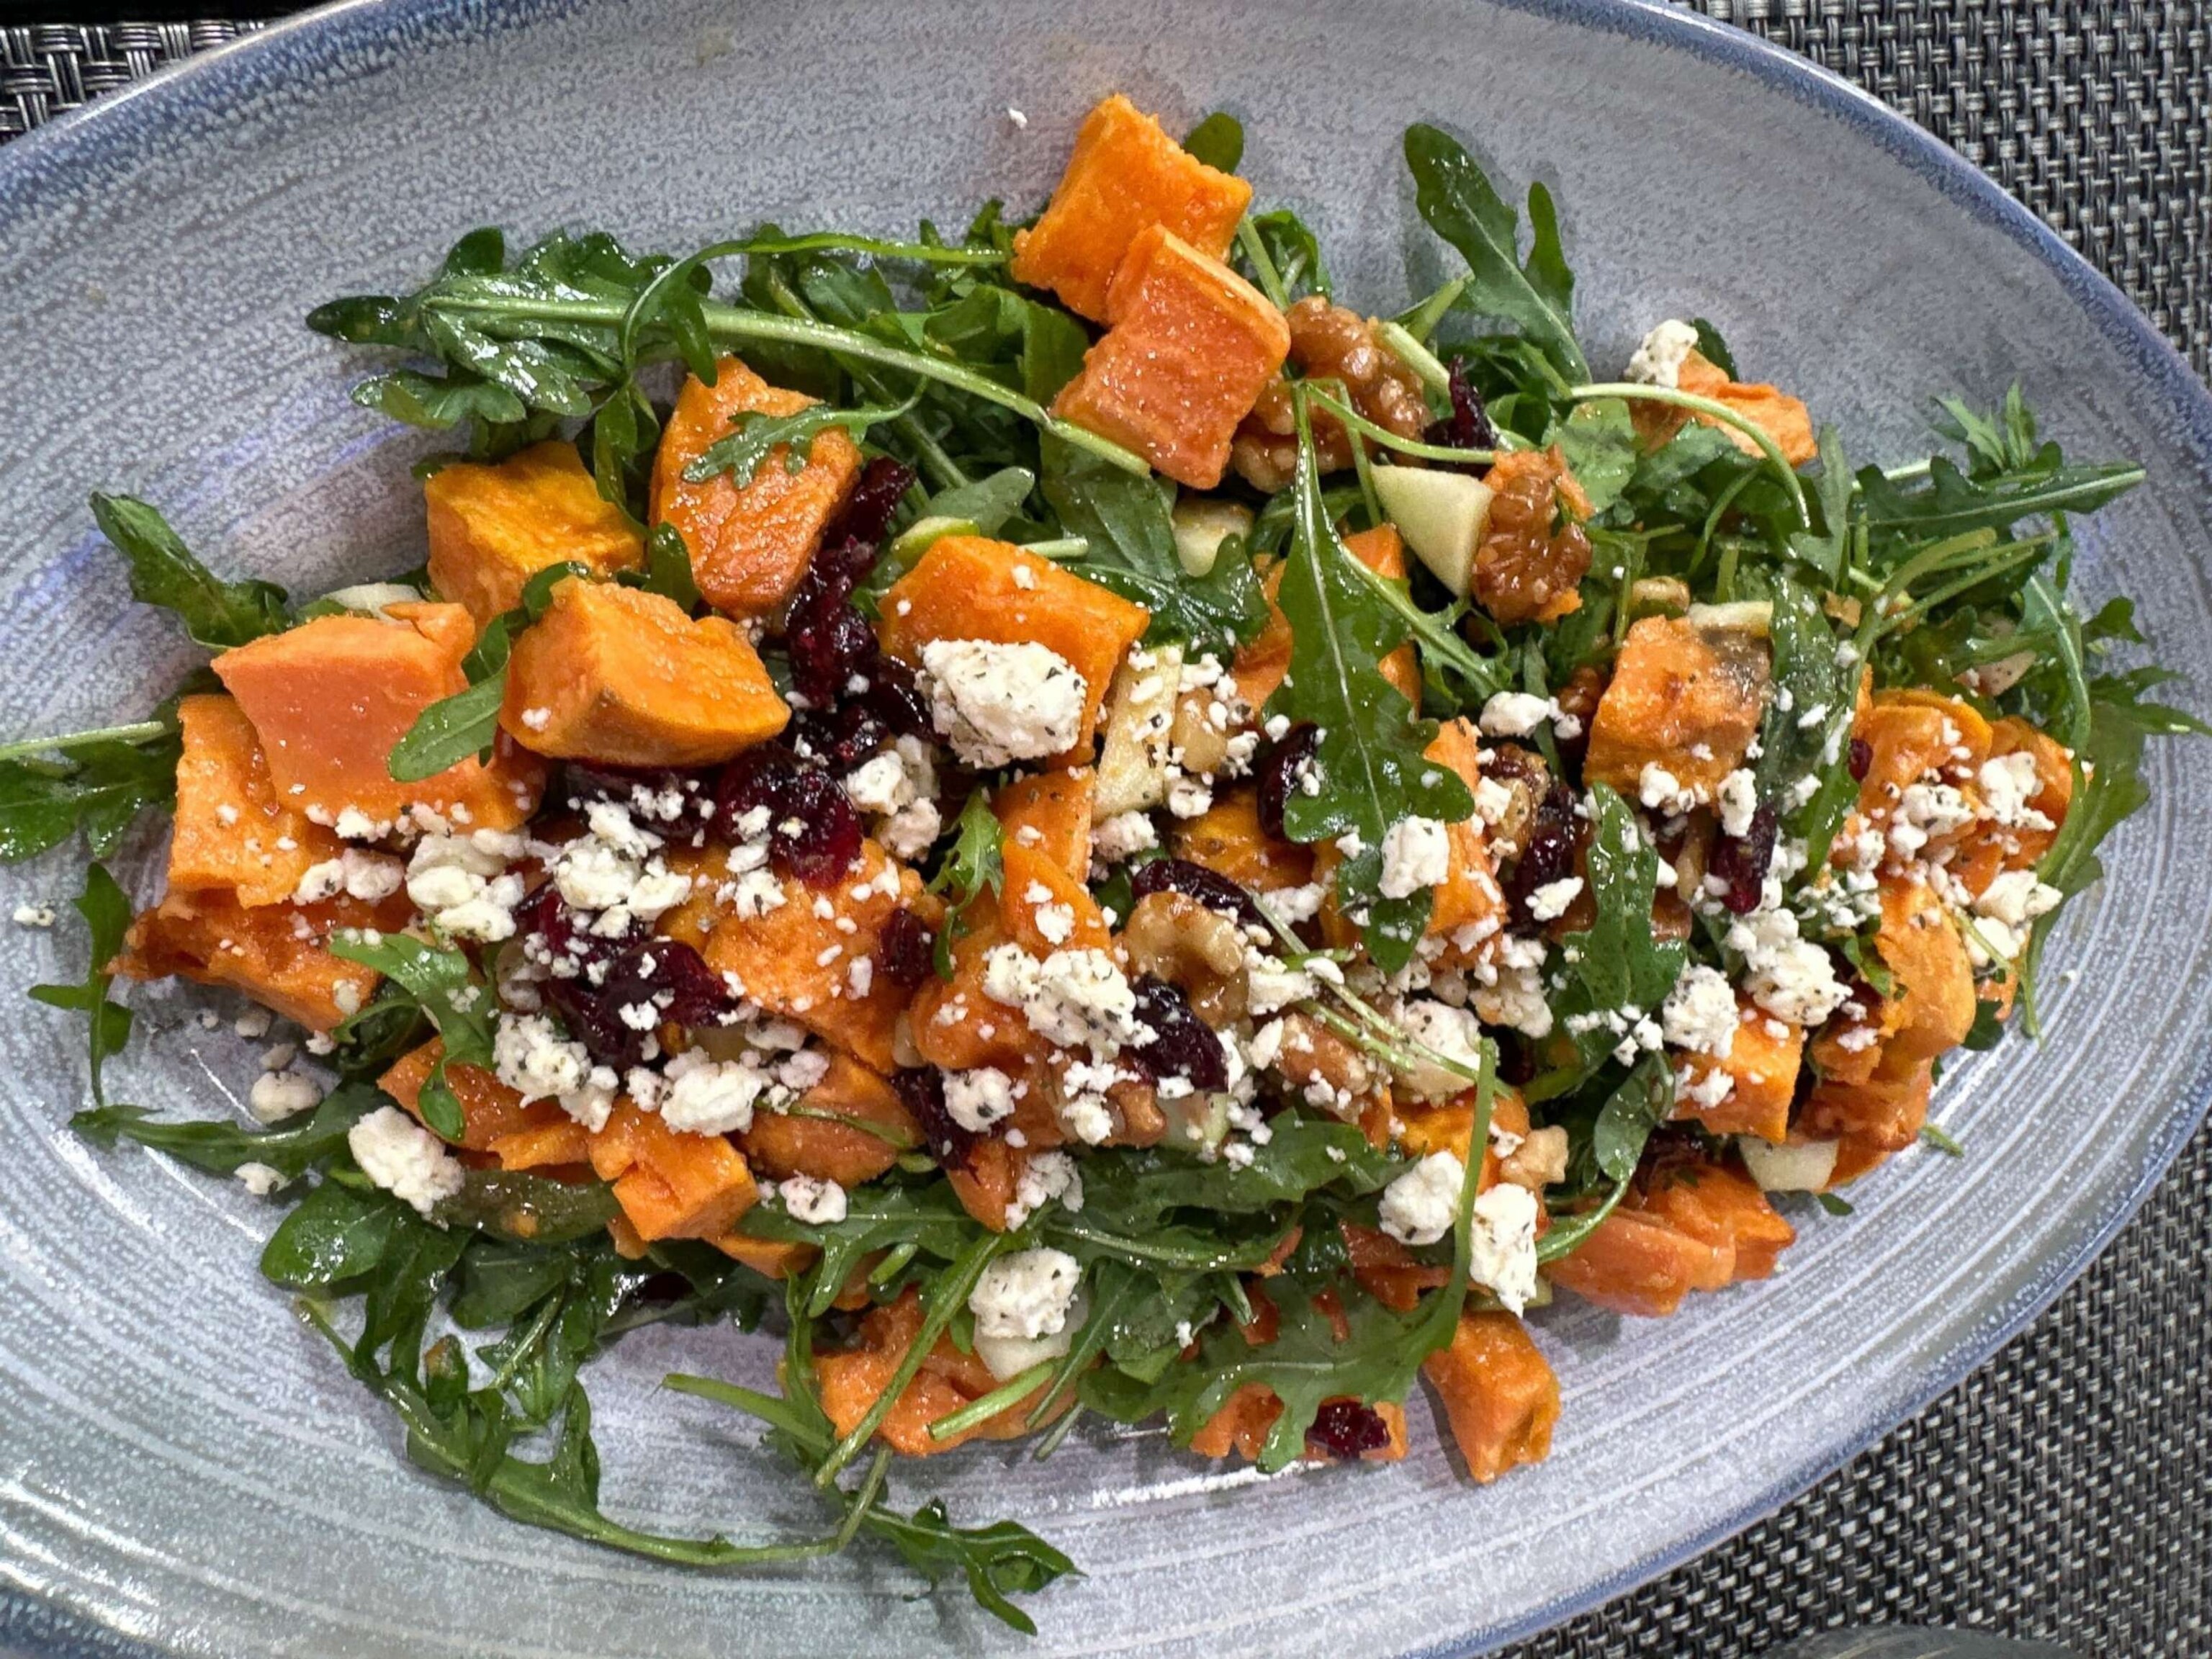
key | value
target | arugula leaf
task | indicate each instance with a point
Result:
(1806, 667)
(1291, 251)
(1947, 502)
(1218, 141)
(1828, 550)
(1460, 205)
(106, 913)
(444, 986)
(928, 1217)
(1643, 1101)
(975, 862)
(997, 1561)
(1598, 439)
(439, 403)
(667, 569)
(1370, 758)
(464, 726)
(163, 571)
(1712, 348)
(755, 435)
(98, 782)
(525, 1208)
(221, 1148)
(337, 1233)
(1616, 967)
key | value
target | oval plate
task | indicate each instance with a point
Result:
(186, 1469)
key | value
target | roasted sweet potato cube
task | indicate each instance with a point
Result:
(232, 829)
(1051, 812)
(1762, 1069)
(1775, 412)
(1934, 995)
(1684, 697)
(1879, 1116)
(1498, 1394)
(798, 962)
(1721, 1206)
(1191, 345)
(1469, 905)
(749, 546)
(493, 527)
(834, 1147)
(490, 1110)
(1227, 838)
(622, 677)
(1634, 1263)
(274, 952)
(1124, 177)
(331, 698)
(849, 1381)
(671, 1185)
(956, 1026)
(970, 587)
(1044, 909)
(549, 1137)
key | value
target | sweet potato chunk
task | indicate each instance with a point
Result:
(1044, 909)
(1684, 697)
(851, 1381)
(1934, 977)
(796, 962)
(490, 1110)
(1227, 838)
(1721, 1206)
(956, 1027)
(749, 546)
(970, 587)
(274, 952)
(1124, 177)
(331, 698)
(494, 527)
(549, 1137)
(1190, 346)
(805, 1142)
(232, 829)
(1763, 1069)
(1881, 1115)
(1775, 412)
(1469, 905)
(622, 677)
(1498, 1394)
(1382, 551)
(671, 1185)
(1051, 812)
(1694, 1228)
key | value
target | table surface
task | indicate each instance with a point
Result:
(2064, 1490)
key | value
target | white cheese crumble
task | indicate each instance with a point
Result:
(975, 1100)
(1416, 853)
(1419, 1205)
(278, 1095)
(1550, 902)
(259, 1179)
(1661, 791)
(1123, 837)
(1452, 1033)
(1518, 714)
(1658, 361)
(405, 1159)
(1026, 1294)
(1739, 802)
(816, 1202)
(34, 915)
(1046, 1176)
(997, 703)
(534, 1060)
(1789, 977)
(1070, 998)
(1700, 1014)
(1504, 1239)
(461, 886)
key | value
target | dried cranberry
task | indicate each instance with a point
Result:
(1469, 427)
(867, 511)
(667, 800)
(1209, 887)
(1181, 1045)
(813, 831)
(1740, 862)
(555, 936)
(906, 950)
(1345, 1428)
(1547, 850)
(840, 738)
(895, 698)
(1861, 760)
(922, 1091)
(827, 651)
(671, 979)
(1280, 774)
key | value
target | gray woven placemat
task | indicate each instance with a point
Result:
(2064, 1490)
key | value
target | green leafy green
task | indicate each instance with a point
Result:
(1218, 141)
(1641, 1103)
(221, 1148)
(106, 913)
(1599, 441)
(444, 986)
(98, 784)
(755, 435)
(462, 726)
(337, 1233)
(667, 569)
(163, 571)
(974, 864)
(526, 1208)
(1460, 205)
(1280, 253)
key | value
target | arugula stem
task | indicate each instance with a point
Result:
(1058, 1432)
(952, 1292)
(984, 1408)
(865, 1500)
(1382, 434)
(1263, 265)
(894, 1259)
(1422, 321)
(1564, 1239)
(135, 731)
(1719, 411)
(1059, 547)
(1416, 356)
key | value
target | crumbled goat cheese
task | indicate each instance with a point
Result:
(1504, 1239)
(706, 1096)
(975, 1100)
(1923, 813)
(1517, 714)
(997, 703)
(461, 884)
(534, 1060)
(2007, 783)
(1026, 1294)
(816, 1202)
(1450, 1033)
(1416, 853)
(34, 915)
(259, 1179)
(278, 1095)
(405, 1159)
(1510, 990)
(1661, 791)
(1046, 1176)
(1659, 360)
(1070, 998)
(1419, 1205)
(1271, 984)
(1739, 802)
(1123, 837)
(1699, 1013)
(1789, 977)
(2016, 898)
(1549, 902)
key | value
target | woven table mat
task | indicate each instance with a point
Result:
(2064, 1490)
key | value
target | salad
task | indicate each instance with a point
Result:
(1084, 831)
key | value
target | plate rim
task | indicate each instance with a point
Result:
(170, 96)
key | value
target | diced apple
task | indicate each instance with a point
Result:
(1200, 527)
(1441, 515)
(1794, 1166)
(1140, 711)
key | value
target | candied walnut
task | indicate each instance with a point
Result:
(1526, 779)
(1333, 1074)
(1539, 1161)
(1535, 552)
(1198, 950)
(1328, 343)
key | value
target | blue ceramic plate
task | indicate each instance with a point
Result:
(183, 1468)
